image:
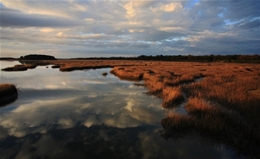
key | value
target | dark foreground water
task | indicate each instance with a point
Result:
(82, 114)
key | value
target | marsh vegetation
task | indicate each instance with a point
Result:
(8, 93)
(224, 104)
(221, 100)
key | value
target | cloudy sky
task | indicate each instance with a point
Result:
(94, 28)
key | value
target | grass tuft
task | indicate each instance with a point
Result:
(8, 94)
(172, 96)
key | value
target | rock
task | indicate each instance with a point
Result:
(104, 73)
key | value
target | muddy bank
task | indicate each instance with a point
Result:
(20, 67)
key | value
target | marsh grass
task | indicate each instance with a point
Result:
(7, 89)
(130, 73)
(214, 122)
(222, 98)
(172, 96)
(67, 68)
(8, 94)
(71, 65)
(231, 92)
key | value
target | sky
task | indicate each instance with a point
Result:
(95, 28)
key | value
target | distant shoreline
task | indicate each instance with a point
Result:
(178, 58)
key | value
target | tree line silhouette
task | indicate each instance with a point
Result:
(187, 58)
(184, 58)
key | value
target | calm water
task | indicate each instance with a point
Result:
(82, 114)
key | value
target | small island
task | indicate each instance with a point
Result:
(29, 62)
(37, 57)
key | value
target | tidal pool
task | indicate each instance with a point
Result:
(82, 114)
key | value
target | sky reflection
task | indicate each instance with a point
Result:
(49, 97)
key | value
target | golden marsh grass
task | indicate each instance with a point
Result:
(223, 99)
(8, 93)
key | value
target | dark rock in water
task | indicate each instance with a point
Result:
(8, 94)
(55, 66)
(104, 74)
(37, 57)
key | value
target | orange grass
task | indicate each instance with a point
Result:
(233, 92)
(8, 93)
(129, 74)
(234, 86)
(224, 104)
(215, 122)
(172, 96)
(7, 89)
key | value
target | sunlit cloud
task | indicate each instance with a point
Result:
(170, 7)
(129, 10)
(46, 30)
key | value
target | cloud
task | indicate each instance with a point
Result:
(46, 30)
(165, 6)
(172, 7)
(62, 8)
(15, 18)
(130, 12)
(171, 29)
(237, 10)
(87, 28)
(250, 25)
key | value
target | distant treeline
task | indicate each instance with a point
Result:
(7, 58)
(187, 58)
(205, 58)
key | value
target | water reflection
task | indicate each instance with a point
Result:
(102, 141)
(82, 113)
(41, 115)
